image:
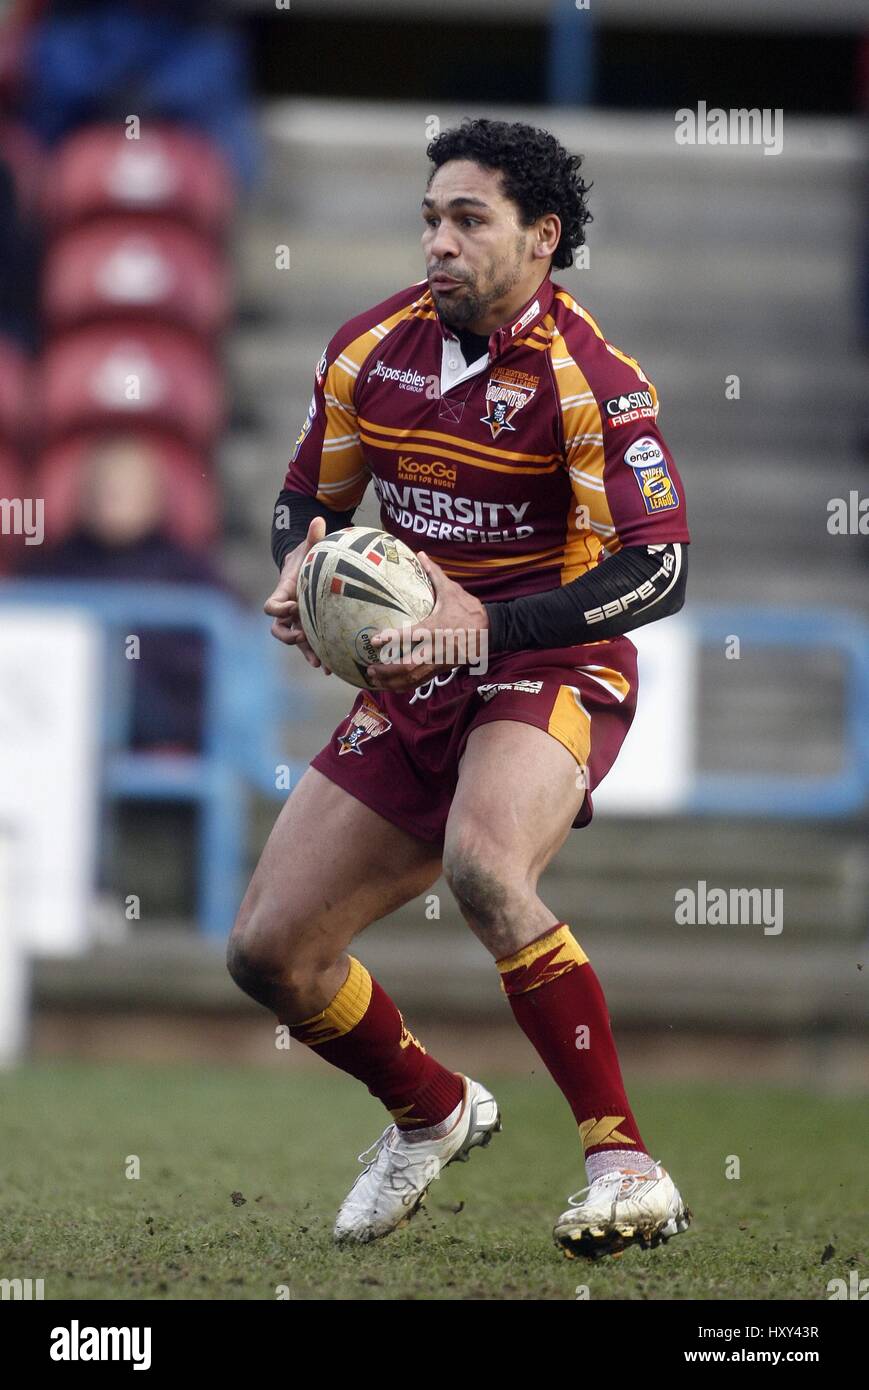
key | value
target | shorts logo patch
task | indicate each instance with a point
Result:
(368, 722)
(646, 458)
(486, 692)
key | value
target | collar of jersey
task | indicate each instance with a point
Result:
(518, 326)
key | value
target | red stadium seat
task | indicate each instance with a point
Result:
(193, 513)
(16, 381)
(168, 170)
(137, 375)
(16, 26)
(118, 266)
(26, 159)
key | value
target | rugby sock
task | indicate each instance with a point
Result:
(363, 1033)
(558, 1003)
(598, 1164)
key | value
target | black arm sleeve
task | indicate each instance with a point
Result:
(633, 587)
(293, 514)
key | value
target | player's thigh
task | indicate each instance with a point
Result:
(519, 791)
(330, 867)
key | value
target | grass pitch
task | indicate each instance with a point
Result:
(242, 1171)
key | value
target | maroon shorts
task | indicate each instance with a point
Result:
(399, 753)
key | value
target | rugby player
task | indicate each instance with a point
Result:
(518, 453)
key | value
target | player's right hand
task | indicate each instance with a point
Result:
(282, 604)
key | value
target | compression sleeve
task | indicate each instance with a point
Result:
(293, 513)
(637, 585)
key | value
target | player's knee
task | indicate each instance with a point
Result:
(478, 884)
(269, 964)
(255, 956)
(248, 960)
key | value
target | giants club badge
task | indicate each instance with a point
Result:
(368, 722)
(507, 392)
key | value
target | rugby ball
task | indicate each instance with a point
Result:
(352, 584)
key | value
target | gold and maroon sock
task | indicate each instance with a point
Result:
(559, 1005)
(362, 1032)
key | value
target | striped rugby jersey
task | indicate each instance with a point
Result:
(515, 473)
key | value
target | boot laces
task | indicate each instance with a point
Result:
(396, 1162)
(626, 1180)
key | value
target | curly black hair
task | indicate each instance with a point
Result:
(537, 173)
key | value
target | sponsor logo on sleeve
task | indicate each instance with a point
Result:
(312, 411)
(646, 458)
(320, 369)
(624, 410)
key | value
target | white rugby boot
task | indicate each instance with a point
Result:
(624, 1207)
(398, 1173)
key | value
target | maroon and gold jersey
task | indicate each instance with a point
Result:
(515, 473)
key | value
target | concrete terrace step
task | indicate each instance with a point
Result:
(786, 403)
(693, 980)
(337, 265)
(381, 146)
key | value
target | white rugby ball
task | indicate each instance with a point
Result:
(353, 583)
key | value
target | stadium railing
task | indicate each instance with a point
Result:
(844, 792)
(248, 694)
(244, 700)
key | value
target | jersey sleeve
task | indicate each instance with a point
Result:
(328, 462)
(621, 470)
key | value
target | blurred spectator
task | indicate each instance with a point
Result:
(120, 536)
(18, 265)
(863, 273)
(16, 20)
(93, 60)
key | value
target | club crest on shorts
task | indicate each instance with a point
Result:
(368, 722)
(507, 392)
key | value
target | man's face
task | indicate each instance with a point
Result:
(478, 256)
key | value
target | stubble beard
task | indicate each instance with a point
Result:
(472, 306)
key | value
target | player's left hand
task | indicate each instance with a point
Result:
(455, 612)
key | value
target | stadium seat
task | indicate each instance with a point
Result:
(16, 29)
(26, 159)
(192, 517)
(118, 266)
(168, 170)
(141, 375)
(15, 392)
